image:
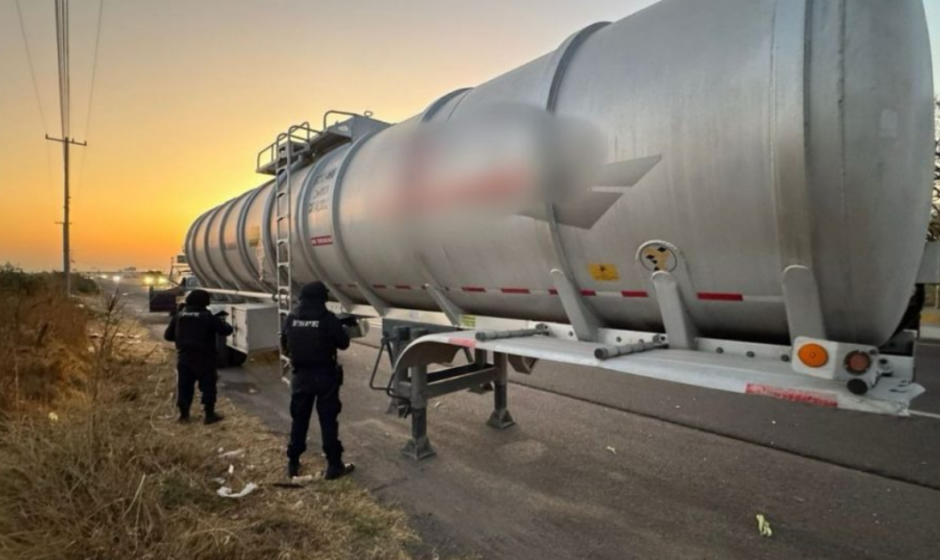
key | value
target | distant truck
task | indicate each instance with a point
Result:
(165, 290)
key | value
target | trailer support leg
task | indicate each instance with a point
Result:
(399, 340)
(501, 419)
(419, 446)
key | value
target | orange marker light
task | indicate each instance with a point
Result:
(813, 355)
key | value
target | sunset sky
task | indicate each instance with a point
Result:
(188, 91)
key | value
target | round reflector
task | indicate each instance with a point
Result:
(857, 362)
(813, 355)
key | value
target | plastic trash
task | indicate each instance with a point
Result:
(612, 449)
(763, 526)
(226, 492)
(235, 454)
(53, 417)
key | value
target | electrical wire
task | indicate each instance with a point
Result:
(62, 40)
(91, 97)
(68, 65)
(94, 68)
(32, 70)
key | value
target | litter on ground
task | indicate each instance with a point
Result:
(226, 492)
(235, 454)
(763, 526)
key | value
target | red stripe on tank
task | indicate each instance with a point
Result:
(633, 293)
(588, 293)
(473, 289)
(715, 296)
(515, 290)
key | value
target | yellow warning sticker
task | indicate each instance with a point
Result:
(468, 321)
(604, 272)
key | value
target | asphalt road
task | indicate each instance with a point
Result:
(604, 466)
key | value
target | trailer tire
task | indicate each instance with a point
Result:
(236, 358)
(911, 318)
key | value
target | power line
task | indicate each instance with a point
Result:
(62, 45)
(94, 68)
(32, 71)
(91, 97)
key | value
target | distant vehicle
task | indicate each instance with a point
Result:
(165, 291)
(154, 278)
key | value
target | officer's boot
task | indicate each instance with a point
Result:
(336, 468)
(293, 468)
(211, 415)
(184, 416)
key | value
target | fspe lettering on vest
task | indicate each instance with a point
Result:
(305, 324)
(189, 314)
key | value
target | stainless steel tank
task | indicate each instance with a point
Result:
(775, 133)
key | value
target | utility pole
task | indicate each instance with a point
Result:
(66, 252)
(62, 43)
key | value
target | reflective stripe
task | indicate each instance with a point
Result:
(716, 296)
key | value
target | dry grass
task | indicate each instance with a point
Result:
(111, 475)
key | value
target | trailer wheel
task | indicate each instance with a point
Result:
(236, 358)
(911, 318)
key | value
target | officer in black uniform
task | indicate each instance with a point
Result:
(311, 336)
(194, 330)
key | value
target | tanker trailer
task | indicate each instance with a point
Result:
(747, 213)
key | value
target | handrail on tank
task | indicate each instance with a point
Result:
(326, 115)
(305, 138)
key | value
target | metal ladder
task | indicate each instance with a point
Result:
(295, 147)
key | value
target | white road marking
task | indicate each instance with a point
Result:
(925, 414)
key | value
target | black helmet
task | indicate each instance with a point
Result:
(198, 298)
(314, 292)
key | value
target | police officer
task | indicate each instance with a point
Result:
(311, 336)
(194, 330)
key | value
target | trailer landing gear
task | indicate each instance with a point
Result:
(501, 419)
(410, 388)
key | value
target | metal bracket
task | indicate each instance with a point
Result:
(583, 321)
(680, 328)
(450, 309)
(608, 352)
(801, 298)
